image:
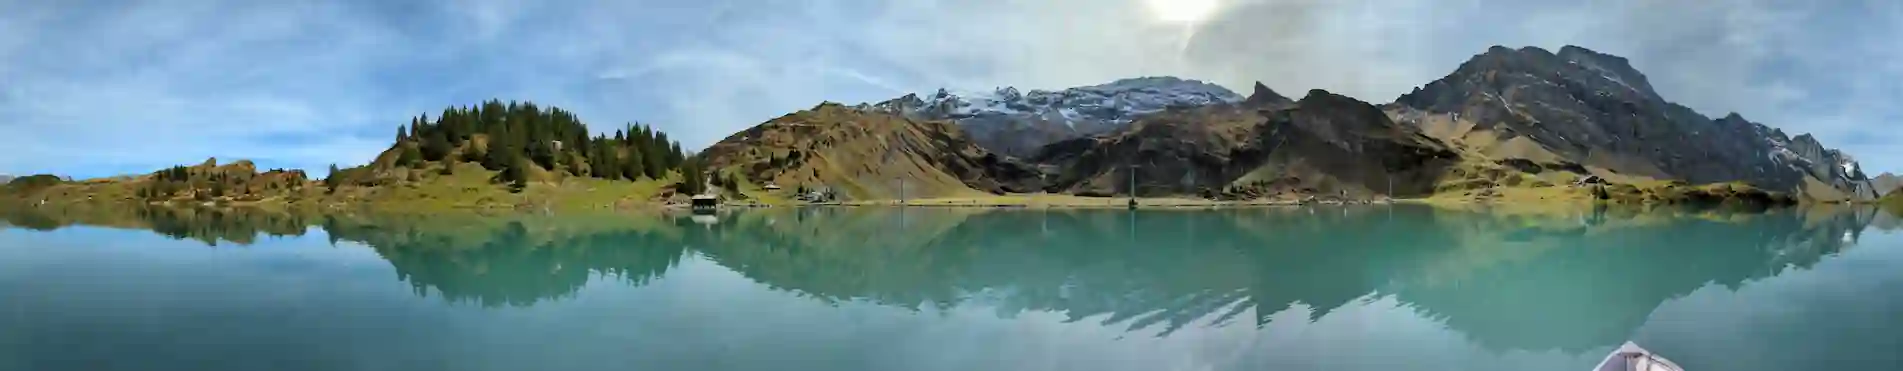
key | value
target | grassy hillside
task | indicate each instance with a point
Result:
(864, 155)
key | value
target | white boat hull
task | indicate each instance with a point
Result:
(1630, 357)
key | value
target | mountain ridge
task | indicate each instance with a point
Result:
(1505, 118)
(1016, 123)
(1596, 110)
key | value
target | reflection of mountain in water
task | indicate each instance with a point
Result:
(1593, 287)
(1573, 282)
(1570, 282)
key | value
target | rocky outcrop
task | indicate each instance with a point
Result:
(861, 154)
(1019, 123)
(1596, 110)
(1266, 145)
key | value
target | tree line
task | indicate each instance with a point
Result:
(516, 138)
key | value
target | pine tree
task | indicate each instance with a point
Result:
(436, 146)
(517, 175)
(691, 180)
(333, 180)
(499, 156)
(633, 167)
(542, 155)
(654, 163)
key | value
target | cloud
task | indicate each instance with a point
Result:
(94, 88)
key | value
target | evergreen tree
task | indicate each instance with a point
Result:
(693, 180)
(498, 157)
(674, 155)
(633, 167)
(333, 180)
(436, 146)
(654, 163)
(517, 174)
(416, 124)
(544, 156)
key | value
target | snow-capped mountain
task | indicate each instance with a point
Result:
(1018, 123)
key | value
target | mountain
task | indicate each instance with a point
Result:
(1886, 184)
(866, 154)
(4, 178)
(1264, 145)
(1018, 123)
(1582, 107)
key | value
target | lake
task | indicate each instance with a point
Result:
(1317, 288)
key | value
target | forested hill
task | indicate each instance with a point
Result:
(524, 143)
(495, 154)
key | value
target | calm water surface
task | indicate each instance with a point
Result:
(1374, 288)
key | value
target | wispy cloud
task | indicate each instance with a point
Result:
(102, 87)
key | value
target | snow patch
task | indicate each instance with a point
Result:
(1117, 102)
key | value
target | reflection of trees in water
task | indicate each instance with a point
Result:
(239, 226)
(465, 258)
(208, 225)
(511, 263)
(27, 218)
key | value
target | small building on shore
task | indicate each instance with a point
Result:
(705, 202)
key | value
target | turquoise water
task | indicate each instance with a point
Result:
(1369, 288)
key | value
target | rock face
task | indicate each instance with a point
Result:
(861, 154)
(1596, 110)
(1018, 123)
(1264, 146)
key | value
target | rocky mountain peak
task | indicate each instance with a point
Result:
(1596, 109)
(1265, 96)
(1015, 122)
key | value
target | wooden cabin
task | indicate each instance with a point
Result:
(706, 201)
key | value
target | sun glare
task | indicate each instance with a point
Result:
(1182, 11)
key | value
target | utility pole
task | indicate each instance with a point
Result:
(901, 191)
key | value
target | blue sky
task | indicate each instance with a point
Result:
(95, 88)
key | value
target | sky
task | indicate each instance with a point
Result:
(98, 88)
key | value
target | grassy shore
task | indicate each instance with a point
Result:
(468, 187)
